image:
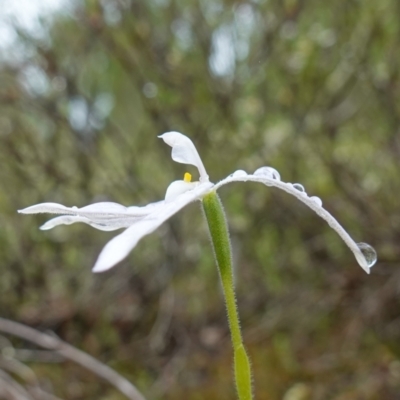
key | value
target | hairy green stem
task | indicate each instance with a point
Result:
(218, 227)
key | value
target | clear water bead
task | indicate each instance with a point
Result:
(299, 187)
(268, 172)
(316, 200)
(238, 173)
(369, 253)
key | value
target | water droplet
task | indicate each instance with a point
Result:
(316, 200)
(299, 187)
(369, 253)
(268, 172)
(238, 173)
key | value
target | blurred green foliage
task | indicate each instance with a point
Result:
(311, 88)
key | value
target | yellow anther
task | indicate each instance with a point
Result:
(187, 177)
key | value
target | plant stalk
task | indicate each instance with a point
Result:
(219, 233)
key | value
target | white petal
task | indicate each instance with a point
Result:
(72, 219)
(52, 208)
(184, 151)
(94, 211)
(104, 208)
(178, 187)
(144, 210)
(63, 220)
(304, 198)
(120, 246)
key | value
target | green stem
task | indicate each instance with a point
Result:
(218, 227)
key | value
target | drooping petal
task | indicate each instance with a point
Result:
(315, 203)
(185, 152)
(120, 246)
(72, 219)
(178, 187)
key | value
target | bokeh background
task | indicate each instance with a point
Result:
(311, 88)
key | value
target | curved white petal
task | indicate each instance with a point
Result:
(105, 207)
(312, 202)
(52, 208)
(138, 211)
(120, 246)
(72, 219)
(176, 188)
(108, 211)
(184, 151)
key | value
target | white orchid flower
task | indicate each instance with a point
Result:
(141, 221)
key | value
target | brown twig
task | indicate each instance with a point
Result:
(71, 353)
